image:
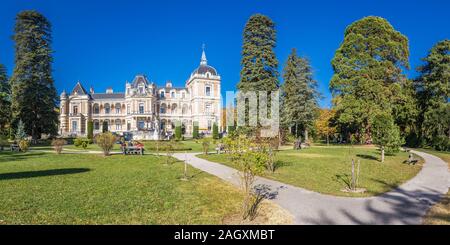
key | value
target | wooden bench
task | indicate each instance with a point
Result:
(132, 150)
(15, 147)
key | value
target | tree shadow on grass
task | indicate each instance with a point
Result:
(15, 156)
(369, 157)
(42, 173)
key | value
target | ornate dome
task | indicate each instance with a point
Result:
(204, 67)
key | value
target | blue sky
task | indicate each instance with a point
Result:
(104, 43)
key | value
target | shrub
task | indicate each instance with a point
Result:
(24, 145)
(178, 132)
(90, 130)
(206, 142)
(58, 145)
(195, 134)
(441, 143)
(106, 142)
(84, 144)
(215, 132)
(77, 142)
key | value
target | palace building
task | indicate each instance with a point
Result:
(145, 110)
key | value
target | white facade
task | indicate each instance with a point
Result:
(144, 108)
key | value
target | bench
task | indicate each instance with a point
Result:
(132, 150)
(15, 147)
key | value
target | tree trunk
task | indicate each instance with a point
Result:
(306, 135)
(382, 154)
(328, 141)
(352, 184)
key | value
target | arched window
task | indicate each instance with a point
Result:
(162, 94)
(75, 109)
(163, 108)
(117, 106)
(107, 108)
(118, 124)
(184, 109)
(174, 108)
(96, 109)
(96, 125)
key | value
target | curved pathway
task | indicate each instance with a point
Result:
(406, 204)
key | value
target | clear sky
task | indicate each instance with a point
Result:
(107, 42)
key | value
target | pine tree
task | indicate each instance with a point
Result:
(300, 106)
(20, 132)
(5, 101)
(259, 63)
(433, 86)
(215, 131)
(90, 130)
(367, 71)
(34, 96)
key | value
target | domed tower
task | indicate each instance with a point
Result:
(204, 87)
(64, 113)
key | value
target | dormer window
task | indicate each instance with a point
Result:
(208, 91)
(75, 110)
(172, 95)
(162, 94)
(141, 89)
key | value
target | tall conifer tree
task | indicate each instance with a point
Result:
(433, 86)
(5, 100)
(34, 97)
(300, 107)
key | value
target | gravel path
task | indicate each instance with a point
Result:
(406, 204)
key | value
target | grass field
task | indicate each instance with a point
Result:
(45, 188)
(328, 169)
(150, 146)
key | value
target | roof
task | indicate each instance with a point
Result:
(100, 96)
(79, 89)
(140, 79)
(203, 69)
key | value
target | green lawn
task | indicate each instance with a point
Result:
(45, 188)
(150, 146)
(327, 169)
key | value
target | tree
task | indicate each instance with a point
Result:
(106, 141)
(250, 162)
(178, 132)
(20, 131)
(259, 64)
(386, 134)
(215, 131)
(5, 101)
(433, 87)
(90, 130)
(323, 124)
(300, 95)
(104, 127)
(34, 97)
(195, 134)
(367, 71)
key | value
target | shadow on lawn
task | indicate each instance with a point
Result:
(406, 207)
(17, 156)
(42, 173)
(369, 157)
